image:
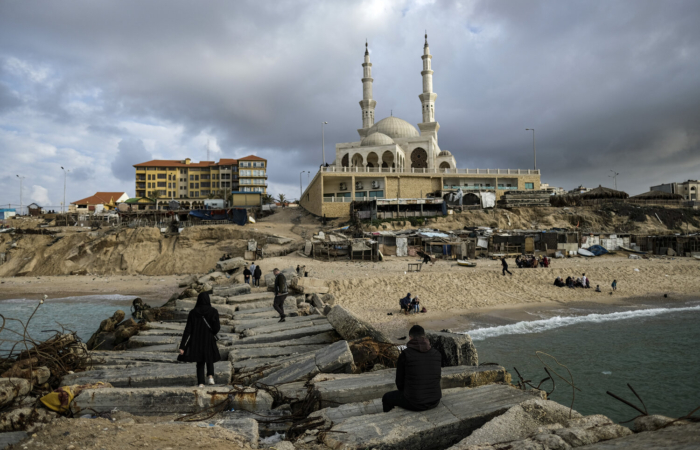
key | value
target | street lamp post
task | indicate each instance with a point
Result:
(63, 206)
(21, 205)
(300, 190)
(323, 141)
(614, 177)
(534, 150)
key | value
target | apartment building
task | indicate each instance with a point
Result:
(690, 190)
(190, 183)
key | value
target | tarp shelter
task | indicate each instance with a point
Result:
(597, 250)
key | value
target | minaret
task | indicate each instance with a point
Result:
(428, 97)
(367, 103)
(429, 127)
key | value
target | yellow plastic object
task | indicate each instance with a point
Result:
(59, 400)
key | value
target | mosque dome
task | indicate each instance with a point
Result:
(444, 153)
(394, 128)
(375, 139)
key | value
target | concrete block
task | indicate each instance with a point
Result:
(673, 437)
(284, 326)
(249, 371)
(266, 426)
(159, 375)
(223, 309)
(241, 325)
(519, 422)
(286, 335)
(232, 290)
(255, 297)
(11, 438)
(155, 401)
(345, 388)
(332, 358)
(11, 388)
(290, 304)
(239, 354)
(120, 358)
(456, 349)
(308, 285)
(246, 428)
(460, 412)
(322, 338)
(165, 348)
(139, 341)
(230, 264)
(350, 327)
(337, 414)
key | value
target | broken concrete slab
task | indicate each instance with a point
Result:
(160, 375)
(154, 401)
(456, 349)
(290, 304)
(230, 264)
(232, 290)
(337, 414)
(322, 338)
(242, 325)
(265, 312)
(247, 428)
(460, 412)
(341, 389)
(11, 438)
(239, 354)
(308, 285)
(139, 341)
(188, 305)
(279, 327)
(519, 422)
(286, 335)
(249, 371)
(266, 426)
(11, 388)
(110, 358)
(351, 327)
(332, 358)
(250, 298)
(293, 392)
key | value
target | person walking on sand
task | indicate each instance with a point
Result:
(252, 273)
(198, 344)
(505, 266)
(614, 285)
(246, 275)
(418, 374)
(584, 281)
(280, 293)
(256, 276)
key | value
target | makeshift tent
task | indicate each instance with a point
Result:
(597, 250)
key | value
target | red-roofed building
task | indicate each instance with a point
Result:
(190, 183)
(106, 201)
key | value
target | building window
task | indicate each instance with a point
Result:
(162, 184)
(162, 176)
(529, 185)
(376, 194)
(362, 194)
(245, 173)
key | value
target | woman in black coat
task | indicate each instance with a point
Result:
(198, 343)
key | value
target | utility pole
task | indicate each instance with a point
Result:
(20, 194)
(534, 150)
(614, 177)
(300, 190)
(63, 206)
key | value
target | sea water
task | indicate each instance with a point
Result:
(656, 350)
(81, 314)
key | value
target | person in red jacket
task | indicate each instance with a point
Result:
(418, 374)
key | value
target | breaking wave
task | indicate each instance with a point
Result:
(539, 326)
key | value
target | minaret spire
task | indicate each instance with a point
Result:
(428, 97)
(367, 103)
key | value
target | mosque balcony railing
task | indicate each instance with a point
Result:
(361, 169)
(337, 199)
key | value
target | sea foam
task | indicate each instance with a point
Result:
(539, 326)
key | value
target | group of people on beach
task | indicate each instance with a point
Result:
(410, 305)
(254, 272)
(581, 282)
(531, 261)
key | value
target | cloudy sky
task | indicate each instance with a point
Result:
(97, 86)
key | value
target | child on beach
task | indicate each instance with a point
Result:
(614, 285)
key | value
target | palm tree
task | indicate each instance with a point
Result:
(282, 199)
(267, 199)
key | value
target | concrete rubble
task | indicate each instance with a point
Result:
(310, 372)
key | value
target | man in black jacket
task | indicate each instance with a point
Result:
(280, 293)
(418, 374)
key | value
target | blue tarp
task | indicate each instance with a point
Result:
(239, 216)
(597, 250)
(212, 214)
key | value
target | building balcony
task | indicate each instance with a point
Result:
(472, 188)
(337, 199)
(338, 169)
(140, 177)
(140, 185)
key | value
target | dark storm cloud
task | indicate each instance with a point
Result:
(606, 84)
(130, 152)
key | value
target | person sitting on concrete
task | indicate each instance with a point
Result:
(405, 302)
(246, 275)
(418, 374)
(256, 276)
(559, 283)
(198, 343)
(416, 305)
(280, 293)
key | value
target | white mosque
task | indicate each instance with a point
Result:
(393, 142)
